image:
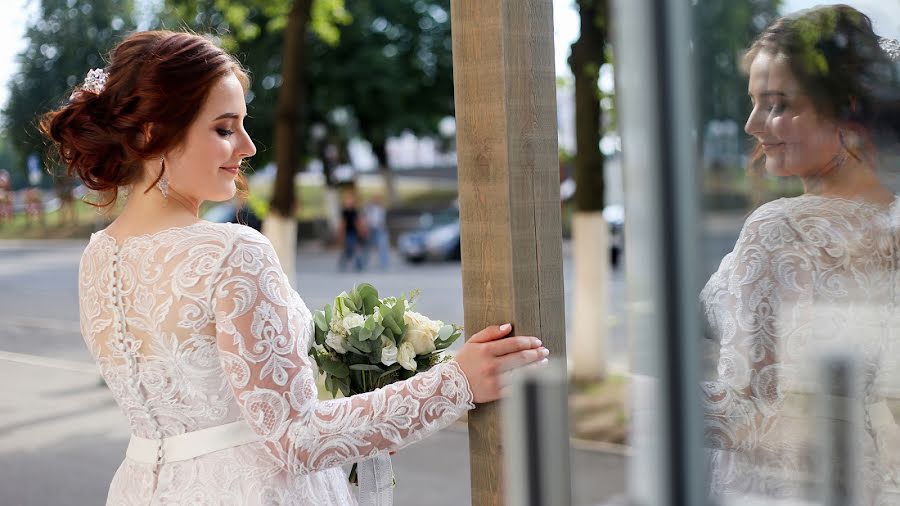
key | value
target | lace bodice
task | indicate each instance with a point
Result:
(197, 326)
(807, 274)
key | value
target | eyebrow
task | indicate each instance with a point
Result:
(233, 115)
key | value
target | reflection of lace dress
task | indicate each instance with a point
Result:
(197, 327)
(806, 274)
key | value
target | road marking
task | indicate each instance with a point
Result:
(53, 363)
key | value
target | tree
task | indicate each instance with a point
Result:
(68, 38)
(589, 229)
(587, 56)
(391, 71)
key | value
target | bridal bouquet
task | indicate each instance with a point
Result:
(364, 342)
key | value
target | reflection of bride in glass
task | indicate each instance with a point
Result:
(814, 271)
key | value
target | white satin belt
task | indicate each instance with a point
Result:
(191, 444)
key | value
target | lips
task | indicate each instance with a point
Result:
(769, 146)
(233, 170)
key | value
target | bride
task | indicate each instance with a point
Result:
(811, 272)
(193, 324)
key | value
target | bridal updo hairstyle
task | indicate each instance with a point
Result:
(836, 57)
(158, 81)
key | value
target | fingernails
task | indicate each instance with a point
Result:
(545, 352)
(544, 362)
(536, 342)
(505, 327)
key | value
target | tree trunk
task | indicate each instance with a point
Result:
(280, 225)
(589, 235)
(390, 187)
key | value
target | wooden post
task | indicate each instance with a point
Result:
(505, 89)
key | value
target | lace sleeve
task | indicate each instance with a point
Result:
(264, 330)
(760, 287)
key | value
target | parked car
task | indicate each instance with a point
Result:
(227, 212)
(438, 236)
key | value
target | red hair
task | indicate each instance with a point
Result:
(158, 81)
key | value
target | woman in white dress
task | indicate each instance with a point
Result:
(193, 324)
(813, 272)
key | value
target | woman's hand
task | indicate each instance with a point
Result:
(485, 356)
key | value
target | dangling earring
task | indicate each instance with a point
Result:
(163, 183)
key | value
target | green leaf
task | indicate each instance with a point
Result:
(319, 319)
(369, 297)
(445, 332)
(366, 367)
(390, 370)
(334, 367)
(328, 315)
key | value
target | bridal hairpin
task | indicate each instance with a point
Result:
(94, 82)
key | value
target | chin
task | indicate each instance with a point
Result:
(224, 195)
(777, 168)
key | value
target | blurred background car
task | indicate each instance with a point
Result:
(436, 238)
(438, 234)
(233, 212)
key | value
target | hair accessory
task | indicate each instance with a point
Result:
(163, 184)
(94, 82)
(891, 47)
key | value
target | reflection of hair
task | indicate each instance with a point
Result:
(835, 56)
(158, 80)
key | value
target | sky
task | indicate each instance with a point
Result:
(13, 22)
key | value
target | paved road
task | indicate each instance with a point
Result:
(62, 437)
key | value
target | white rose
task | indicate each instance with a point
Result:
(406, 356)
(388, 351)
(337, 342)
(377, 316)
(421, 332)
(353, 320)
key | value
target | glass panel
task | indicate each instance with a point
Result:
(799, 111)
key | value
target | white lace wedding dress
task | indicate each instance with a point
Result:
(196, 327)
(806, 274)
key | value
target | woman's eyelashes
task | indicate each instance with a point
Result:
(224, 132)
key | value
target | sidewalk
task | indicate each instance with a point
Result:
(62, 438)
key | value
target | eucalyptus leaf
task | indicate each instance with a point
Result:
(366, 367)
(390, 370)
(445, 332)
(335, 368)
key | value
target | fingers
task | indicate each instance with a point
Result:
(521, 358)
(491, 333)
(509, 345)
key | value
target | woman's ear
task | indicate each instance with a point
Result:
(146, 134)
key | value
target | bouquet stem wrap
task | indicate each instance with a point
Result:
(376, 481)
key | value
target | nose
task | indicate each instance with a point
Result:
(756, 123)
(248, 149)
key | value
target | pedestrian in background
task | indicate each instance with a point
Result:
(376, 224)
(351, 233)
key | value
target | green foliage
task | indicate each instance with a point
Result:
(724, 30)
(390, 71)
(68, 38)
